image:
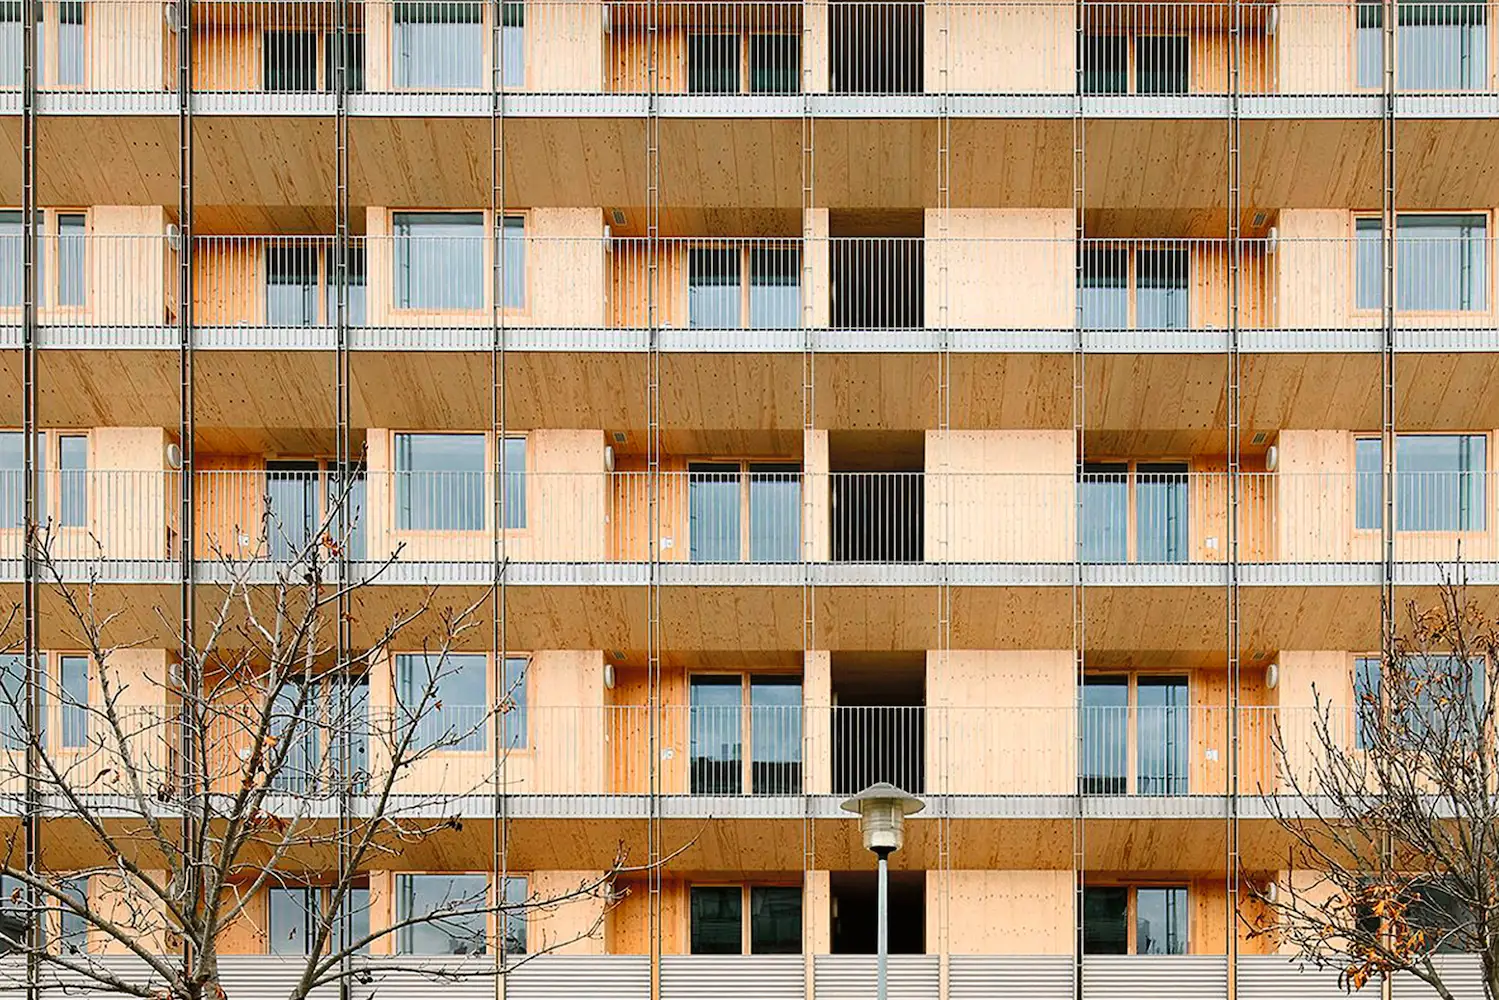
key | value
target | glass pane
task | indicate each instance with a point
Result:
(439, 260)
(712, 64)
(515, 483)
(1161, 921)
(1440, 482)
(713, 502)
(357, 903)
(289, 60)
(1105, 64)
(716, 754)
(290, 913)
(1104, 296)
(72, 276)
(1161, 289)
(291, 285)
(1105, 512)
(440, 482)
(713, 288)
(776, 735)
(11, 251)
(73, 686)
(514, 700)
(298, 717)
(775, 920)
(70, 44)
(775, 63)
(775, 288)
(1161, 64)
(1368, 501)
(1161, 498)
(717, 920)
(445, 698)
(12, 702)
(72, 456)
(12, 58)
(1105, 920)
(439, 46)
(353, 62)
(1366, 671)
(1441, 46)
(443, 904)
(291, 493)
(1368, 252)
(513, 45)
(517, 894)
(1161, 736)
(513, 249)
(73, 928)
(1369, 44)
(775, 511)
(1441, 262)
(354, 276)
(1105, 725)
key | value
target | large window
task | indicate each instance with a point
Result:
(718, 925)
(440, 480)
(451, 910)
(60, 39)
(1438, 46)
(1152, 495)
(1441, 263)
(293, 913)
(513, 45)
(719, 496)
(439, 260)
(1145, 920)
(717, 759)
(716, 292)
(60, 239)
(1440, 482)
(447, 699)
(62, 497)
(712, 63)
(289, 60)
(439, 45)
(1143, 718)
(1442, 695)
(1157, 64)
(1144, 287)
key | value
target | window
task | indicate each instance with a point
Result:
(72, 927)
(290, 917)
(513, 44)
(513, 261)
(1160, 299)
(73, 686)
(1438, 46)
(1159, 510)
(291, 279)
(712, 63)
(12, 56)
(357, 904)
(1441, 263)
(289, 60)
(1440, 482)
(450, 909)
(72, 466)
(718, 492)
(1366, 703)
(775, 63)
(713, 288)
(513, 705)
(1161, 724)
(440, 482)
(515, 483)
(775, 288)
(354, 277)
(446, 698)
(439, 45)
(13, 479)
(71, 38)
(717, 720)
(517, 895)
(1442, 696)
(1161, 64)
(1158, 925)
(72, 278)
(1105, 60)
(717, 919)
(439, 260)
(12, 275)
(353, 62)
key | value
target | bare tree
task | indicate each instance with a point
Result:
(254, 762)
(1390, 814)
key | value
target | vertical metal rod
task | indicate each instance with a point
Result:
(1389, 226)
(883, 931)
(655, 847)
(1079, 435)
(810, 247)
(31, 567)
(1232, 390)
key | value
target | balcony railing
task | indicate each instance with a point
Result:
(721, 50)
(767, 518)
(1127, 293)
(756, 751)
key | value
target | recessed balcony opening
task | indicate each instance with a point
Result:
(877, 48)
(878, 495)
(879, 720)
(855, 906)
(878, 265)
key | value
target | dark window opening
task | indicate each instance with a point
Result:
(855, 913)
(1105, 64)
(1161, 64)
(712, 64)
(289, 60)
(877, 48)
(878, 283)
(775, 63)
(879, 721)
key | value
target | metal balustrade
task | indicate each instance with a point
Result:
(1130, 294)
(718, 515)
(737, 751)
(718, 52)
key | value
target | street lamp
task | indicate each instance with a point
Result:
(882, 810)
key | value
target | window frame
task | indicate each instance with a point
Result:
(747, 468)
(49, 284)
(323, 307)
(1131, 717)
(1356, 65)
(51, 479)
(1485, 515)
(1131, 484)
(746, 911)
(1487, 288)
(1132, 910)
(1131, 68)
(490, 234)
(745, 251)
(1357, 686)
(747, 680)
(498, 728)
(526, 476)
(401, 937)
(1132, 285)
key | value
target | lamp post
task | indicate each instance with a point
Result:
(882, 810)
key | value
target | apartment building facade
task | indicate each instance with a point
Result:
(993, 397)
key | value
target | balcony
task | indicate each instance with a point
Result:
(712, 295)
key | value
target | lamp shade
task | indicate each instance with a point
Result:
(882, 810)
